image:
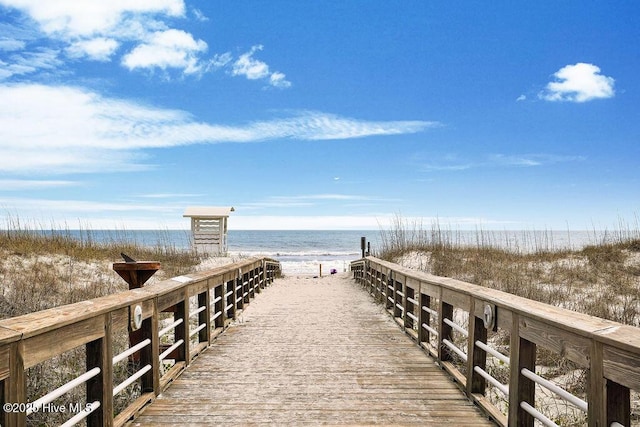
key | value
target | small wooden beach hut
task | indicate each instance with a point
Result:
(209, 228)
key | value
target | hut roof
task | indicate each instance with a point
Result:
(208, 211)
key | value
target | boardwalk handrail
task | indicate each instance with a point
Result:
(218, 295)
(424, 306)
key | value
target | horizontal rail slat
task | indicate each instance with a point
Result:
(457, 327)
(564, 394)
(429, 310)
(504, 359)
(63, 389)
(430, 329)
(82, 414)
(126, 383)
(199, 310)
(497, 384)
(537, 415)
(169, 327)
(455, 349)
(170, 349)
(198, 329)
(120, 357)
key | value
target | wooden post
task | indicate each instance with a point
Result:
(478, 357)
(238, 290)
(100, 387)
(150, 382)
(445, 332)
(397, 299)
(408, 306)
(231, 299)
(618, 404)
(204, 317)
(521, 389)
(16, 385)
(246, 280)
(219, 307)
(363, 241)
(181, 332)
(388, 288)
(424, 317)
(596, 388)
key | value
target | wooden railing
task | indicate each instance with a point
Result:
(200, 306)
(451, 320)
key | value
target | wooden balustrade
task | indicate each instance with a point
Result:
(430, 310)
(202, 305)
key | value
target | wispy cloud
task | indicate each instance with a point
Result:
(454, 163)
(98, 49)
(531, 160)
(169, 195)
(82, 131)
(580, 82)
(253, 69)
(310, 200)
(31, 184)
(140, 34)
(25, 63)
(82, 206)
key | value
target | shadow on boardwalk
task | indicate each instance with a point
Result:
(313, 351)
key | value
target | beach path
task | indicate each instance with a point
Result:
(313, 351)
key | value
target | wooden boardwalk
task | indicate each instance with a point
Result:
(313, 351)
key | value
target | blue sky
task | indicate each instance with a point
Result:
(321, 115)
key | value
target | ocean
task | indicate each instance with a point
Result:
(304, 252)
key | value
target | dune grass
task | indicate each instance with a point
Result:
(42, 268)
(602, 280)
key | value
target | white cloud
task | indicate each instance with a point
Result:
(22, 63)
(199, 15)
(167, 49)
(99, 49)
(8, 45)
(453, 163)
(31, 184)
(579, 83)
(529, 160)
(253, 69)
(72, 19)
(97, 29)
(81, 131)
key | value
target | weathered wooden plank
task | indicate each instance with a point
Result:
(622, 367)
(172, 298)
(296, 355)
(456, 299)
(44, 346)
(571, 346)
